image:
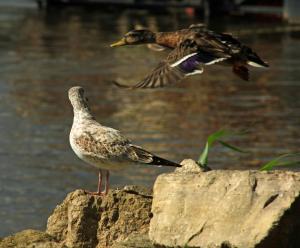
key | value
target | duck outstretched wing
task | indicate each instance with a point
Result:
(185, 60)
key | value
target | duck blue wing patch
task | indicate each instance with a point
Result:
(193, 63)
(190, 64)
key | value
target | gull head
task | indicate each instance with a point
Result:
(77, 98)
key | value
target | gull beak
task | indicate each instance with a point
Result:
(119, 43)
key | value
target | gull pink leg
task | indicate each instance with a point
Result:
(106, 183)
(99, 185)
(99, 182)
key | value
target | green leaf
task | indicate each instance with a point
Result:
(289, 163)
(276, 162)
(203, 159)
(234, 148)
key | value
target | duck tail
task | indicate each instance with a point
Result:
(252, 58)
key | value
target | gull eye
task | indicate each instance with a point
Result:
(81, 91)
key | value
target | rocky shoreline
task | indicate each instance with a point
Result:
(86, 221)
(189, 208)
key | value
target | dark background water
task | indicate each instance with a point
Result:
(44, 53)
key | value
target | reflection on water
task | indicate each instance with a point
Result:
(45, 53)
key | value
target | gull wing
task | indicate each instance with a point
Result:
(108, 143)
(102, 142)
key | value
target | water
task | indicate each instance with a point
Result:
(44, 53)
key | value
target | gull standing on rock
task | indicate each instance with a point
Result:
(104, 147)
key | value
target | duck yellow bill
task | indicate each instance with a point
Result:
(118, 43)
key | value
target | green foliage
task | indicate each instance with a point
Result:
(212, 139)
(217, 138)
(278, 162)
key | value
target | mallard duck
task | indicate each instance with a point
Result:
(193, 48)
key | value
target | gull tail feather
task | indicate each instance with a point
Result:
(163, 162)
(140, 155)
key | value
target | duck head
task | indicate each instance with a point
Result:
(135, 37)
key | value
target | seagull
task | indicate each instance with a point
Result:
(103, 147)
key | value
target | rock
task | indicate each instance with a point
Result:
(135, 241)
(88, 221)
(191, 208)
(190, 166)
(30, 239)
(75, 221)
(221, 208)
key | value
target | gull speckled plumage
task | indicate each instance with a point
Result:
(104, 147)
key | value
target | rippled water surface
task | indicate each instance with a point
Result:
(44, 53)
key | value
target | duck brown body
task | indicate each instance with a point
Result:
(173, 39)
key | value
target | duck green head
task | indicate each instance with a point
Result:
(136, 37)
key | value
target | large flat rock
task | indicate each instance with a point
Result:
(226, 208)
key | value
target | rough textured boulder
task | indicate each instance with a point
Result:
(30, 239)
(90, 221)
(135, 241)
(220, 208)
